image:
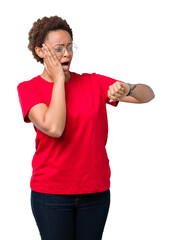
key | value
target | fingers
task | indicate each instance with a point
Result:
(51, 63)
(116, 91)
(49, 56)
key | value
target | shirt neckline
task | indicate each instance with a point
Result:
(53, 82)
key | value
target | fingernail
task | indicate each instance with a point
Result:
(44, 46)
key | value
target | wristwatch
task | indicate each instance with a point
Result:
(131, 89)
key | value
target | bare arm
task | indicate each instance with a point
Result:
(141, 94)
(51, 120)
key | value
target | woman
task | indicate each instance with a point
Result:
(70, 183)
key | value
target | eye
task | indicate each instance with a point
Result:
(70, 47)
(58, 49)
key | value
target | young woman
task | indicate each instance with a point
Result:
(70, 183)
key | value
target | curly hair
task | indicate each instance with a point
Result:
(41, 28)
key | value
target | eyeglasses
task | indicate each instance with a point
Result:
(60, 49)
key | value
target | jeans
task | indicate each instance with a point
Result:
(70, 217)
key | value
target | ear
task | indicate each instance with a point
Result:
(39, 52)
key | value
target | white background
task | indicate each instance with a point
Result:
(127, 40)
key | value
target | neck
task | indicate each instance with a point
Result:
(45, 76)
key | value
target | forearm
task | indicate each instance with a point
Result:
(143, 93)
(55, 116)
(119, 91)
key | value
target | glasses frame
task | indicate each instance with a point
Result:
(61, 53)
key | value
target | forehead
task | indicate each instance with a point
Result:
(58, 37)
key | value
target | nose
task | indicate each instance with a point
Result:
(66, 53)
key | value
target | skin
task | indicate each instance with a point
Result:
(141, 94)
(51, 61)
(116, 92)
(51, 119)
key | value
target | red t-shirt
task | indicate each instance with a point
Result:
(77, 162)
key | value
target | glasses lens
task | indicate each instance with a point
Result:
(59, 50)
(74, 47)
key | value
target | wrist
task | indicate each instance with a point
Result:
(131, 89)
(59, 78)
(127, 88)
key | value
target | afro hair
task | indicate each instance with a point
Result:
(41, 28)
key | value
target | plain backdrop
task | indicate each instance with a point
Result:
(130, 41)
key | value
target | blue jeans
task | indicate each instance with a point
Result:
(70, 217)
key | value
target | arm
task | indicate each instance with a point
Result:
(51, 120)
(141, 94)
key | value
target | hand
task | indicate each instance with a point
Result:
(52, 64)
(117, 91)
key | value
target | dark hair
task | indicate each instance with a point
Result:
(41, 28)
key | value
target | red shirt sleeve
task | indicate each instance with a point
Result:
(105, 83)
(28, 97)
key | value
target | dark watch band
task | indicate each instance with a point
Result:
(131, 89)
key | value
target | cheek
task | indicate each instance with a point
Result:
(71, 56)
(59, 58)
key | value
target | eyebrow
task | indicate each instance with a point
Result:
(62, 44)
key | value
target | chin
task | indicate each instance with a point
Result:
(66, 73)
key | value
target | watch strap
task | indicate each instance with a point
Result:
(131, 89)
